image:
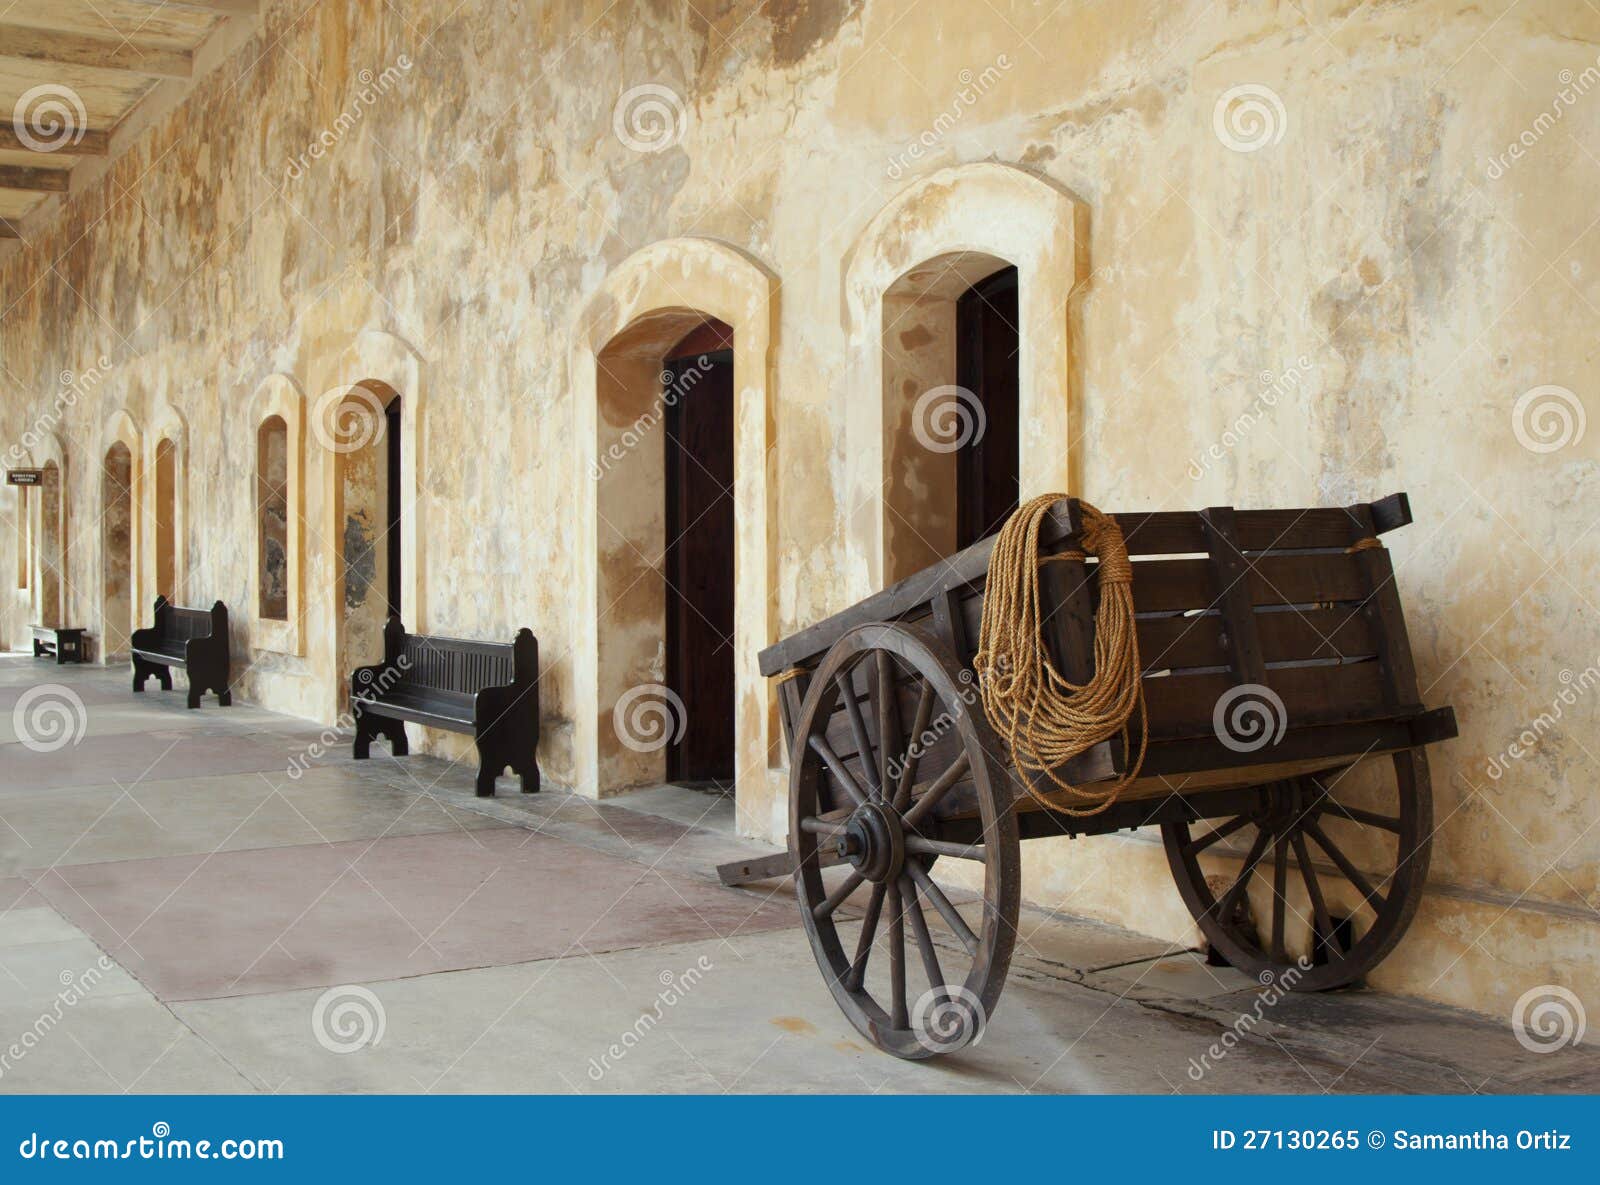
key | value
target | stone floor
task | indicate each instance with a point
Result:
(178, 913)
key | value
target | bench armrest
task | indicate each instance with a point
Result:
(366, 682)
(506, 708)
(144, 638)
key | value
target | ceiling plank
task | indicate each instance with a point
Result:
(218, 7)
(102, 53)
(8, 230)
(35, 180)
(94, 142)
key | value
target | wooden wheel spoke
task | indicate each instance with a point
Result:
(1195, 846)
(1257, 849)
(912, 756)
(1280, 899)
(833, 900)
(1319, 906)
(888, 719)
(942, 903)
(898, 1016)
(815, 826)
(935, 792)
(836, 767)
(1351, 873)
(869, 929)
(919, 927)
(1335, 810)
(938, 847)
(858, 729)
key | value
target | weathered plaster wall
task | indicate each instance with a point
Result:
(460, 223)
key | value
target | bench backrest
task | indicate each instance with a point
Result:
(460, 665)
(183, 624)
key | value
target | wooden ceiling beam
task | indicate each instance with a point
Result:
(215, 7)
(102, 53)
(93, 143)
(33, 180)
(8, 230)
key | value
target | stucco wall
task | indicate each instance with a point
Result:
(1335, 284)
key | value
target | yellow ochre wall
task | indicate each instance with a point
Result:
(1269, 255)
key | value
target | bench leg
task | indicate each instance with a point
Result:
(486, 776)
(165, 675)
(194, 695)
(395, 730)
(225, 697)
(363, 743)
(530, 779)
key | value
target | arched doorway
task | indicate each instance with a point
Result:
(951, 434)
(364, 431)
(116, 551)
(666, 522)
(697, 569)
(47, 560)
(929, 247)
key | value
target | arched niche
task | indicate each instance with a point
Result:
(277, 570)
(121, 592)
(168, 498)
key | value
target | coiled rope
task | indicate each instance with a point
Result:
(1044, 718)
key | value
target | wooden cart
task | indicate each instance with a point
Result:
(1284, 728)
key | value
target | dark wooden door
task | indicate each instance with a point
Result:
(987, 341)
(699, 558)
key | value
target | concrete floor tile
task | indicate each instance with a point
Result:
(753, 1017)
(89, 825)
(27, 925)
(264, 920)
(107, 1045)
(35, 974)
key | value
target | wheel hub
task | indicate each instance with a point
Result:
(874, 843)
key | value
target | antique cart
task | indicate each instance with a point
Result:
(1284, 729)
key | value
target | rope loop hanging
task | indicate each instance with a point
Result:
(1044, 718)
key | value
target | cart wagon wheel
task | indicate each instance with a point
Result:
(883, 825)
(1303, 817)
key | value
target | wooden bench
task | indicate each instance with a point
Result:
(193, 639)
(488, 689)
(58, 642)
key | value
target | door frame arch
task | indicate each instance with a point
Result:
(693, 277)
